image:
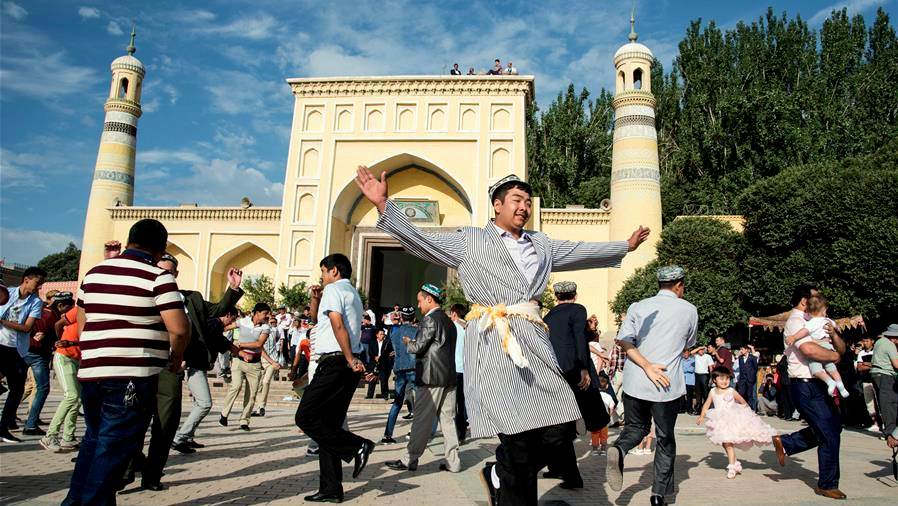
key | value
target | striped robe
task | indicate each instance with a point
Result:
(500, 397)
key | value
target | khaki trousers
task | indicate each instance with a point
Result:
(431, 401)
(240, 371)
(269, 371)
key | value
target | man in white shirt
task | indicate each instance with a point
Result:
(811, 399)
(324, 403)
(457, 313)
(511, 70)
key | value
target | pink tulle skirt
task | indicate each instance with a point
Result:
(737, 424)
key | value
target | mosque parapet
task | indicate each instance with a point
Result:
(440, 85)
(254, 214)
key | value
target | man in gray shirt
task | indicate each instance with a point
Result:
(654, 334)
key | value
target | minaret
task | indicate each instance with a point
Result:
(635, 177)
(113, 183)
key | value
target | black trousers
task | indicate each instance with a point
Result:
(461, 413)
(519, 459)
(320, 415)
(564, 461)
(166, 417)
(686, 400)
(701, 390)
(640, 414)
(383, 377)
(14, 369)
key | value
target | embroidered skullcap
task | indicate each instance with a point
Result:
(61, 296)
(407, 312)
(508, 180)
(565, 287)
(670, 273)
(433, 290)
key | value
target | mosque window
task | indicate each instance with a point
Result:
(637, 79)
(123, 88)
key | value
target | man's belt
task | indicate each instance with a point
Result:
(497, 316)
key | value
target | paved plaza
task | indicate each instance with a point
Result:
(268, 466)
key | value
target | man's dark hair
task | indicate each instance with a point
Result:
(668, 285)
(744, 347)
(768, 376)
(338, 261)
(497, 59)
(307, 308)
(503, 190)
(149, 235)
(261, 306)
(232, 311)
(366, 317)
(565, 296)
(168, 257)
(34, 272)
(407, 319)
(459, 309)
(436, 299)
(802, 291)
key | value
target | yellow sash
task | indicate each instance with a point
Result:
(497, 316)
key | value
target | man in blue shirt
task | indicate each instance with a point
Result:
(654, 334)
(747, 384)
(689, 375)
(403, 369)
(324, 404)
(20, 312)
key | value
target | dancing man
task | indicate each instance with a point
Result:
(654, 334)
(515, 389)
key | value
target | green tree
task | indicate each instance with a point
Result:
(295, 297)
(710, 251)
(832, 223)
(257, 289)
(62, 266)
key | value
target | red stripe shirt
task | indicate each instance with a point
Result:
(124, 336)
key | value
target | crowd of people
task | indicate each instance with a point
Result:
(496, 70)
(497, 366)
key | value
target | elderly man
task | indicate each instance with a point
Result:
(883, 371)
(434, 349)
(654, 334)
(514, 389)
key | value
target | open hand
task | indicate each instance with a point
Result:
(373, 189)
(315, 291)
(235, 277)
(39, 336)
(701, 420)
(584, 380)
(638, 237)
(655, 372)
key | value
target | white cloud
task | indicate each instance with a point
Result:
(88, 12)
(216, 182)
(46, 77)
(28, 246)
(239, 92)
(233, 140)
(163, 156)
(852, 6)
(14, 10)
(14, 175)
(172, 93)
(259, 27)
(113, 28)
(150, 105)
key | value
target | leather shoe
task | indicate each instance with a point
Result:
(194, 444)
(549, 475)
(361, 457)
(570, 485)
(614, 468)
(486, 477)
(780, 451)
(832, 493)
(658, 500)
(154, 486)
(183, 448)
(396, 465)
(319, 497)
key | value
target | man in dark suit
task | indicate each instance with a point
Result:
(201, 350)
(747, 385)
(567, 332)
(380, 364)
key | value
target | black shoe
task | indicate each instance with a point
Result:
(387, 440)
(658, 500)
(369, 396)
(124, 482)
(183, 448)
(614, 468)
(41, 422)
(244, 427)
(444, 467)
(261, 411)
(33, 431)
(486, 477)
(13, 426)
(223, 421)
(6, 437)
(361, 457)
(570, 485)
(408, 416)
(549, 475)
(319, 497)
(311, 451)
(255, 413)
(194, 444)
(155, 486)
(396, 465)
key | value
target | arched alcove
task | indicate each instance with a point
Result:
(500, 162)
(468, 120)
(406, 122)
(637, 79)
(302, 252)
(437, 120)
(305, 208)
(186, 265)
(501, 119)
(309, 166)
(248, 257)
(313, 121)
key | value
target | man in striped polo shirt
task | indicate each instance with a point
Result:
(132, 324)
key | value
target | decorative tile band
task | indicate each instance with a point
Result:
(636, 173)
(115, 126)
(114, 175)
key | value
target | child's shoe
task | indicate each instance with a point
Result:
(842, 390)
(731, 471)
(738, 467)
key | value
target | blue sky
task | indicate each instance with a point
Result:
(217, 112)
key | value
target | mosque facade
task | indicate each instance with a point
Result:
(442, 140)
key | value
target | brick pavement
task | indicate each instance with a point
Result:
(268, 466)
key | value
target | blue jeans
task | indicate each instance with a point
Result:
(202, 404)
(749, 392)
(823, 430)
(114, 432)
(40, 366)
(404, 380)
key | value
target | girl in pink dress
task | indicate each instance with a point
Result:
(732, 424)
